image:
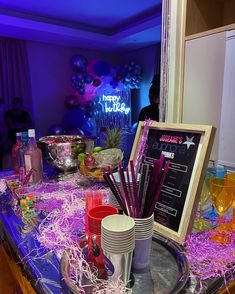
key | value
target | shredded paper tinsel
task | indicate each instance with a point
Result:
(63, 206)
(209, 259)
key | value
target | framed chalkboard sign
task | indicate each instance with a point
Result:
(188, 148)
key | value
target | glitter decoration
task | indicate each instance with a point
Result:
(165, 52)
(209, 259)
(142, 143)
(3, 186)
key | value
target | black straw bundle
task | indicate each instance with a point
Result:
(138, 201)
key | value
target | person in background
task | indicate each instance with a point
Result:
(17, 120)
(151, 111)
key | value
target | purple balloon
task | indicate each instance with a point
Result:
(89, 79)
(70, 101)
(96, 82)
(81, 90)
(73, 77)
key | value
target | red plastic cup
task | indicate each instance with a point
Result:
(93, 199)
(95, 252)
(95, 216)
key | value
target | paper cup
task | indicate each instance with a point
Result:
(118, 233)
(143, 244)
(141, 256)
(118, 265)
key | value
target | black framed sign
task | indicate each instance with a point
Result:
(188, 148)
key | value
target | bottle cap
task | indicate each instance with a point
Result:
(31, 133)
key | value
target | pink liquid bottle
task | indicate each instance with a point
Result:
(15, 151)
(33, 160)
(21, 153)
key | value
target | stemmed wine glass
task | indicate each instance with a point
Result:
(231, 180)
(200, 223)
(222, 194)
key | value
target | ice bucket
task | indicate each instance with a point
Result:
(62, 151)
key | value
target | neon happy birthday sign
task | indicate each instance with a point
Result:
(112, 103)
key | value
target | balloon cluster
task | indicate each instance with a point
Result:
(131, 75)
(92, 108)
(89, 76)
(90, 80)
(81, 78)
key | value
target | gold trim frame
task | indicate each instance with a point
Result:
(197, 177)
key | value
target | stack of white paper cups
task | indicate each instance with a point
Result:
(118, 243)
(143, 244)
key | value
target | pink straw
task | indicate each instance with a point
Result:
(157, 194)
(156, 176)
(135, 188)
(130, 193)
(114, 191)
(122, 179)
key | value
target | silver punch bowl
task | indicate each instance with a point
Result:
(62, 151)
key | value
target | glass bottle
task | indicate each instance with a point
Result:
(15, 150)
(33, 159)
(21, 152)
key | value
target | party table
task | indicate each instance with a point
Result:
(41, 265)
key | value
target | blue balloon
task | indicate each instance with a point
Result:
(76, 132)
(79, 63)
(81, 90)
(99, 107)
(90, 109)
(81, 76)
(89, 126)
(134, 127)
(89, 79)
(56, 130)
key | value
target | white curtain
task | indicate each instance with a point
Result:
(227, 125)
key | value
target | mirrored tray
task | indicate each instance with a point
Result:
(169, 270)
